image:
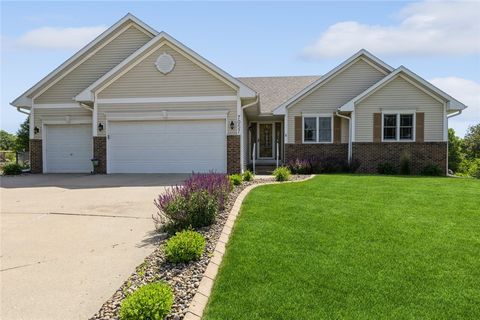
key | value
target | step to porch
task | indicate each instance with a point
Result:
(264, 169)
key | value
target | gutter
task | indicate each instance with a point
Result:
(349, 135)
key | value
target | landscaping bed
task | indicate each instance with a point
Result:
(184, 278)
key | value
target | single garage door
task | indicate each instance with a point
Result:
(68, 148)
(170, 146)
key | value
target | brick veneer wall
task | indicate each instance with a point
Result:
(100, 153)
(36, 163)
(233, 154)
(300, 151)
(421, 154)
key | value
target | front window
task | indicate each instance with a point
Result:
(324, 129)
(398, 127)
(317, 129)
(406, 127)
(310, 129)
(389, 127)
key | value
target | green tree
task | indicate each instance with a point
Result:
(471, 142)
(7, 140)
(455, 155)
(23, 136)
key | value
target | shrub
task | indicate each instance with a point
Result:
(184, 246)
(197, 209)
(405, 163)
(248, 175)
(152, 301)
(235, 179)
(195, 203)
(282, 174)
(301, 166)
(432, 170)
(11, 169)
(386, 168)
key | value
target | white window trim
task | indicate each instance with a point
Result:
(397, 133)
(316, 116)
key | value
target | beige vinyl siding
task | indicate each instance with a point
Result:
(231, 106)
(94, 67)
(186, 79)
(327, 98)
(58, 114)
(399, 94)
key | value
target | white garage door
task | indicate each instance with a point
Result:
(68, 148)
(166, 146)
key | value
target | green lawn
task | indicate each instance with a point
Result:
(354, 247)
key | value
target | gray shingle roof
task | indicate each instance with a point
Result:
(274, 91)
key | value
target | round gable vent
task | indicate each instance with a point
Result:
(165, 63)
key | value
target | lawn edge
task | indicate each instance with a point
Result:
(200, 300)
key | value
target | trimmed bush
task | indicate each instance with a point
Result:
(316, 164)
(11, 169)
(184, 246)
(236, 179)
(405, 164)
(248, 175)
(152, 301)
(281, 174)
(386, 168)
(432, 170)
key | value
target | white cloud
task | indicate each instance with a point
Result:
(425, 28)
(59, 38)
(467, 92)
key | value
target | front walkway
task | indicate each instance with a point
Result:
(69, 241)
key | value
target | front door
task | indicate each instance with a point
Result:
(265, 141)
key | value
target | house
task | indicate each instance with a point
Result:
(140, 101)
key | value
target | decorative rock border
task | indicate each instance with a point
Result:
(200, 300)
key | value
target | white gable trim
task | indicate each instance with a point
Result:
(422, 84)
(25, 101)
(87, 94)
(362, 54)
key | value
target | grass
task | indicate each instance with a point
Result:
(354, 247)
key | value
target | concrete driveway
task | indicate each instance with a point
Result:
(69, 241)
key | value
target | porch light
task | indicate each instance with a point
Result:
(36, 130)
(100, 127)
(232, 125)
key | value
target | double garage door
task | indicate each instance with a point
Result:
(141, 147)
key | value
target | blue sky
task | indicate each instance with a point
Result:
(440, 41)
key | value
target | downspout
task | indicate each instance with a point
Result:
(19, 109)
(83, 105)
(454, 114)
(251, 103)
(349, 135)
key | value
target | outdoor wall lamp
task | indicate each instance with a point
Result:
(232, 125)
(100, 127)
(36, 130)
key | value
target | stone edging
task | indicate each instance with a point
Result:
(200, 300)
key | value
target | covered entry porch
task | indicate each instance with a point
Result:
(264, 143)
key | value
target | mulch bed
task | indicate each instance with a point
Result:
(183, 278)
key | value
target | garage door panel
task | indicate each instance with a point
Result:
(167, 146)
(68, 148)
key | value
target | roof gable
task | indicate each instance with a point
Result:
(142, 79)
(413, 78)
(140, 54)
(362, 54)
(25, 100)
